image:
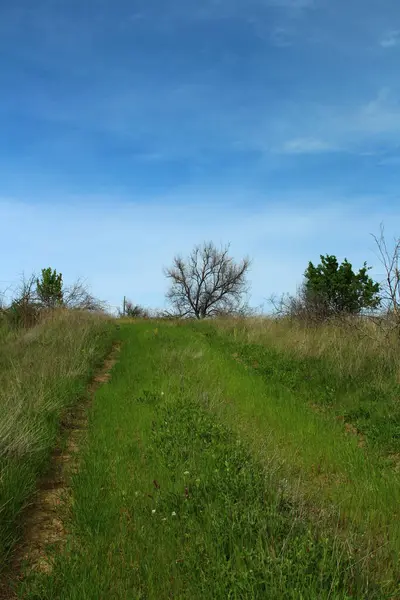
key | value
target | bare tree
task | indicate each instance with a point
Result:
(390, 287)
(24, 309)
(295, 306)
(302, 306)
(207, 283)
(78, 296)
(134, 311)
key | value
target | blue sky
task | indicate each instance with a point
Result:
(130, 131)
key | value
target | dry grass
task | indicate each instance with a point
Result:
(43, 371)
(174, 501)
(351, 347)
(348, 368)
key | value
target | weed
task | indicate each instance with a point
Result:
(178, 498)
(42, 372)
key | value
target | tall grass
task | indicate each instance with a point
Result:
(170, 501)
(352, 368)
(43, 370)
(351, 347)
(331, 416)
(215, 468)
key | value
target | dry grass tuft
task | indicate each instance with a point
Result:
(352, 346)
(43, 371)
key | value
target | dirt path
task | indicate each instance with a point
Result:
(44, 519)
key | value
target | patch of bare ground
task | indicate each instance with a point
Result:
(44, 519)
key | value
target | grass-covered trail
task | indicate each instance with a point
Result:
(190, 487)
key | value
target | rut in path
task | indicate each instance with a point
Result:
(44, 518)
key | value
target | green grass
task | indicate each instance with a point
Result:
(336, 369)
(358, 488)
(197, 481)
(43, 371)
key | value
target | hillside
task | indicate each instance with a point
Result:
(227, 459)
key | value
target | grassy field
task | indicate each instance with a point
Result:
(215, 467)
(352, 372)
(43, 371)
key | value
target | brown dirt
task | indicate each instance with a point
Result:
(44, 519)
(395, 461)
(350, 429)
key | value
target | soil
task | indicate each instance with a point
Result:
(45, 518)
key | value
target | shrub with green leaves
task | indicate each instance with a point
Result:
(334, 288)
(49, 288)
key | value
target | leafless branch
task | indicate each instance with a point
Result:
(390, 287)
(301, 307)
(77, 296)
(134, 311)
(24, 308)
(207, 283)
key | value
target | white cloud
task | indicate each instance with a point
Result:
(379, 116)
(364, 128)
(391, 39)
(376, 104)
(306, 145)
(281, 37)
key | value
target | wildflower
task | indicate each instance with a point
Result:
(164, 519)
(186, 473)
(153, 511)
(173, 513)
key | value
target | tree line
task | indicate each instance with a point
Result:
(36, 295)
(210, 283)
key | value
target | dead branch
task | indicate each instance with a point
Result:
(77, 296)
(207, 283)
(390, 286)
